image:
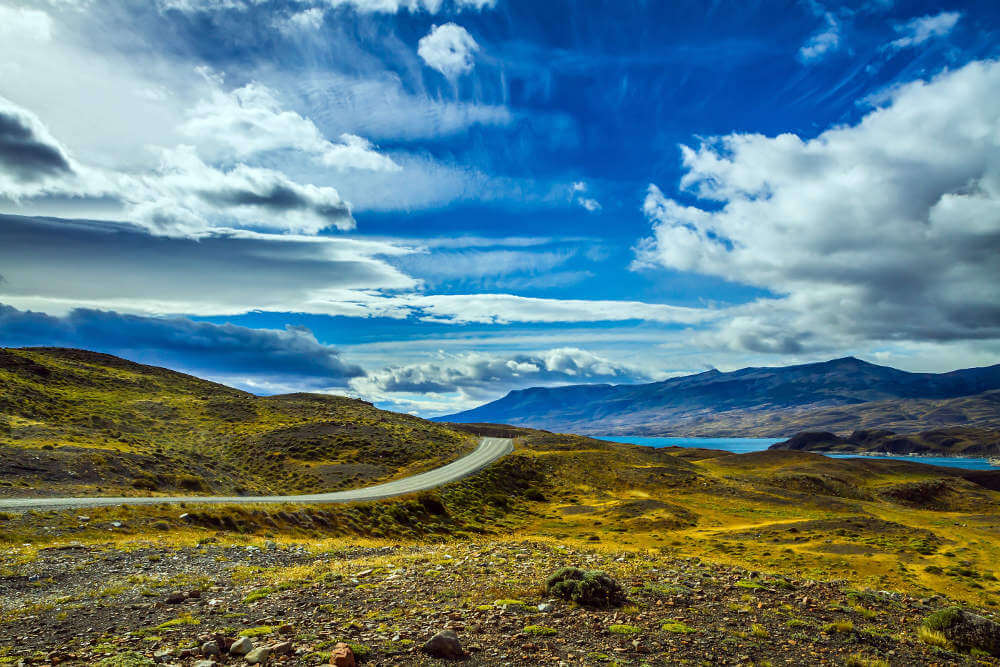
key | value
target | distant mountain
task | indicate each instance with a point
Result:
(842, 394)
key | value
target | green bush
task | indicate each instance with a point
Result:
(590, 588)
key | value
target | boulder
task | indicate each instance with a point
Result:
(342, 656)
(966, 630)
(444, 644)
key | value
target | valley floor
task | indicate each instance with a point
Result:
(386, 600)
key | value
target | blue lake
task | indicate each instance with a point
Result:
(746, 445)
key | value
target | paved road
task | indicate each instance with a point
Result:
(489, 450)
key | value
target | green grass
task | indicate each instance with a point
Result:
(624, 629)
(539, 631)
(259, 631)
(677, 627)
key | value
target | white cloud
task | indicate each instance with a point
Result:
(505, 308)
(413, 6)
(308, 20)
(888, 230)
(577, 194)
(24, 24)
(449, 49)
(251, 120)
(364, 6)
(379, 106)
(822, 42)
(918, 30)
(454, 381)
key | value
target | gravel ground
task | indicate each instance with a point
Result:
(164, 603)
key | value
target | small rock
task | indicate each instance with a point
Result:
(342, 656)
(286, 629)
(194, 594)
(544, 607)
(176, 598)
(270, 545)
(83, 519)
(444, 644)
(258, 656)
(206, 663)
(241, 646)
(281, 648)
(211, 650)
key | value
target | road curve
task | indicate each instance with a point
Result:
(489, 450)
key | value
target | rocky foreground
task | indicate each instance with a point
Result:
(263, 603)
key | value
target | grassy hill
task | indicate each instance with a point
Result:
(75, 422)
(838, 395)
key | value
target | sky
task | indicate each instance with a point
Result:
(429, 203)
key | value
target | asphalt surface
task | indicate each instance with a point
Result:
(489, 450)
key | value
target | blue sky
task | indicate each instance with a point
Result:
(428, 203)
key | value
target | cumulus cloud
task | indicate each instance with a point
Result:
(888, 230)
(182, 196)
(918, 30)
(214, 350)
(475, 375)
(449, 49)
(28, 153)
(822, 42)
(251, 119)
(578, 194)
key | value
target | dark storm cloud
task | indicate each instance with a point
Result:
(24, 153)
(203, 348)
(278, 198)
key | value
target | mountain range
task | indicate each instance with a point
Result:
(840, 395)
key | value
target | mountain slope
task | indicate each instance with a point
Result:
(753, 401)
(74, 421)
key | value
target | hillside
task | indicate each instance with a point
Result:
(84, 423)
(940, 442)
(843, 394)
(774, 556)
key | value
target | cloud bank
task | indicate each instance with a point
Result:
(224, 352)
(882, 231)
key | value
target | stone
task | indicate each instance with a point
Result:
(342, 656)
(286, 629)
(211, 649)
(258, 656)
(966, 630)
(444, 644)
(544, 607)
(176, 598)
(206, 663)
(270, 545)
(241, 646)
(281, 648)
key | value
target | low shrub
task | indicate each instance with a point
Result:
(589, 588)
